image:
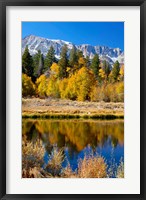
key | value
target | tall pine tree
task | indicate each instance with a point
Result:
(27, 63)
(73, 57)
(106, 68)
(115, 71)
(87, 61)
(38, 61)
(50, 58)
(95, 65)
(63, 62)
(79, 54)
(40, 65)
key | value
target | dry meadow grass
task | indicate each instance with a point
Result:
(57, 107)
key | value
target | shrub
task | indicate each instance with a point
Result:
(54, 165)
(33, 153)
(67, 172)
(92, 167)
(108, 92)
(35, 172)
(32, 159)
(120, 170)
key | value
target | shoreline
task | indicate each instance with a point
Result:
(73, 116)
(67, 109)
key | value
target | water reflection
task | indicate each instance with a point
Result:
(77, 137)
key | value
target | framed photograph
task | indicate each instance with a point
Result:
(72, 99)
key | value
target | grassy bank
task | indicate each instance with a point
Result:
(71, 116)
(67, 109)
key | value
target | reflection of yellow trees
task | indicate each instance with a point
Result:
(78, 133)
(26, 128)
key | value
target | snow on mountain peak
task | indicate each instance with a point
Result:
(36, 43)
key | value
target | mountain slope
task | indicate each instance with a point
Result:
(36, 43)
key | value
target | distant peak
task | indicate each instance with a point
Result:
(36, 43)
(68, 42)
(85, 45)
(28, 36)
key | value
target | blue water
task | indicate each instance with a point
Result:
(78, 138)
(108, 152)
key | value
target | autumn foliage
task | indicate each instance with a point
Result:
(28, 87)
(78, 79)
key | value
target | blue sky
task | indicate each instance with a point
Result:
(95, 33)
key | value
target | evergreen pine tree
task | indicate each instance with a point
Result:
(38, 64)
(41, 65)
(106, 68)
(73, 57)
(63, 62)
(79, 54)
(27, 63)
(50, 58)
(95, 65)
(115, 71)
(88, 61)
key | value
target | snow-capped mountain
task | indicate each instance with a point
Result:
(36, 43)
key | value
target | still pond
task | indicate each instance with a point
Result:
(78, 138)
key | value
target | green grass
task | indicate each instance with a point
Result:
(71, 116)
